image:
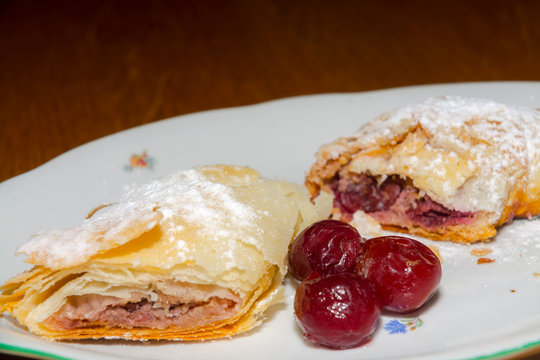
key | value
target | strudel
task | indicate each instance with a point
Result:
(449, 168)
(199, 254)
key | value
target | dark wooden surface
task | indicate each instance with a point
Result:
(74, 71)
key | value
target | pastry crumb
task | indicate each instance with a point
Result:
(484, 260)
(480, 251)
(536, 275)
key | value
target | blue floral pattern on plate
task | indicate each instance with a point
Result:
(401, 326)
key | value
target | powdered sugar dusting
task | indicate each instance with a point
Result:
(190, 195)
(501, 143)
(199, 202)
(66, 247)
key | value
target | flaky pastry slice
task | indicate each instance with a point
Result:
(450, 168)
(199, 254)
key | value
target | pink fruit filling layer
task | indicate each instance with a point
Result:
(393, 201)
(140, 311)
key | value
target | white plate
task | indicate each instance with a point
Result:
(481, 311)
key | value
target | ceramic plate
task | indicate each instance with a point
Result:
(481, 311)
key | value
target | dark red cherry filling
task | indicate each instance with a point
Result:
(430, 214)
(365, 194)
(394, 201)
(337, 311)
(405, 271)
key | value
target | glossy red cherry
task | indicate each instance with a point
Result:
(405, 271)
(327, 246)
(338, 311)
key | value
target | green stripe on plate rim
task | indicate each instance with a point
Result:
(17, 350)
(26, 351)
(508, 351)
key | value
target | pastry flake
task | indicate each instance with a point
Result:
(196, 255)
(450, 168)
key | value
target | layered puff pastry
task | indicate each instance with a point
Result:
(196, 255)
(450, 168)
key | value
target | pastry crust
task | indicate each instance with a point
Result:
(196, 255)
(476, 160)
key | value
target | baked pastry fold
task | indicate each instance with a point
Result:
(199, 254)
(450, 168)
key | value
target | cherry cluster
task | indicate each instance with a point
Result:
(347, 281)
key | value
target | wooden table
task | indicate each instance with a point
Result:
(74, 71)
